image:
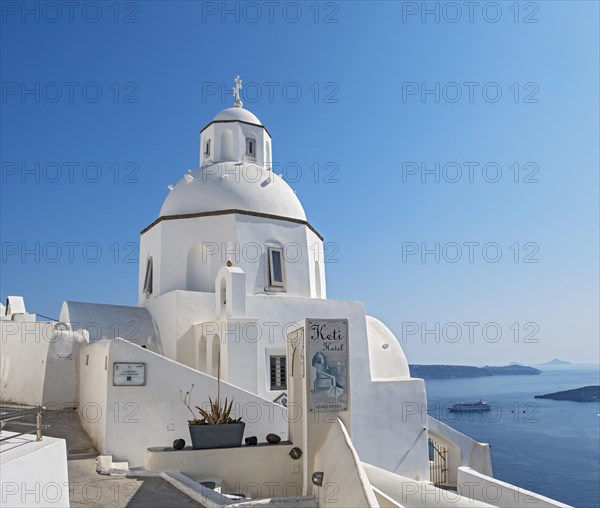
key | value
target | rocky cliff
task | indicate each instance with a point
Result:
(585, 394)
(455, 371)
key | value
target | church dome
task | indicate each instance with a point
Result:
(233, 186)
(237, 114)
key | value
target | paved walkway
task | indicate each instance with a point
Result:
(90, 489)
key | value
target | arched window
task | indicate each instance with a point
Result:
(148, 278)
(202, 354)
(268, 158)
(216, 356)
(251, 147)
(227, 153)
(275, 268)
(222, 295)
(317, 279)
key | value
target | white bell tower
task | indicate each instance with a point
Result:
(235, 135)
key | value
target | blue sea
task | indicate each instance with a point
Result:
(551, 447)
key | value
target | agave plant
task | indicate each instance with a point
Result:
(219, 412)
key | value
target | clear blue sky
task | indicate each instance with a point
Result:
(361, 68)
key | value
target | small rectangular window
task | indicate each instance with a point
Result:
(250, 147)
(278, 372)
(207, 148)
(148, 278)
(276, 269)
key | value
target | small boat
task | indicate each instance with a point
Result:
(472, 407)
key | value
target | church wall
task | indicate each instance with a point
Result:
(150, 244)
(317, 262)
(191, 308)
(104, 321)
(398, 410)
(93, 382)
(223, 142)
(38, 364)
(276, 314)
(253, 236)
(163, 310)
(24, 347)
(396, 407)
(175, 313)
(179, 236)
(241, 238)
(228, 143)
(387, 360)
(133, 418)
(213, 232)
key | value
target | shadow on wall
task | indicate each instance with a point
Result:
(131, 419)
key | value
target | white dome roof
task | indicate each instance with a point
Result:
(386, 357)
(240, 114)
(229, 186)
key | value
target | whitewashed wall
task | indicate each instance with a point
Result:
(499, 493)
(410, 493)
(345, 482)
(103, 321)
(172, 243)
(23, 360)
(38, 364)
(94, 380)
(34, 473)
(134, 418)
(401, 443)
(462, 450)
(278, 474)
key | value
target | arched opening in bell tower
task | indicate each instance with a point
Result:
(227, 153)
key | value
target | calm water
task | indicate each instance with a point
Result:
(551, 447)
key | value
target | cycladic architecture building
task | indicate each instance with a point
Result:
(232, 284)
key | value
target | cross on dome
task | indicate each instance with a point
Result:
(236, 92)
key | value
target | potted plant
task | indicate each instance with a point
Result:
(215, 428)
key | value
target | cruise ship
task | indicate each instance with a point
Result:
(471, 407)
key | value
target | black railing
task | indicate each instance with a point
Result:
(438, 470)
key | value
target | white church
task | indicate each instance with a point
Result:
(232, 285)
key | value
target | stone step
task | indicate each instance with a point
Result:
(210, 498)
(106, 466)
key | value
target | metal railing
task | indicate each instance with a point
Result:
(10, 411)
(438, 470)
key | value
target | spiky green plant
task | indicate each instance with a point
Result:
(218, 414)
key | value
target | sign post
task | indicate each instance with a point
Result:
(327, 364)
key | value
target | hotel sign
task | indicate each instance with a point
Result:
(129, 374)
(327, 364)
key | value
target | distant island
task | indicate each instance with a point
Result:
(585, 394)
(457, 371)
(556, 361)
